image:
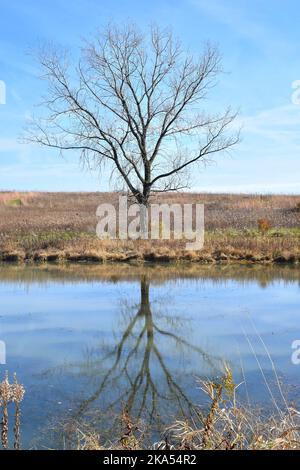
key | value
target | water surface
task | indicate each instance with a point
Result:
(90, 341)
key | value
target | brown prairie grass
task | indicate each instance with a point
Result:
(61, 226)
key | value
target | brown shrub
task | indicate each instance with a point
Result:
(264, 225)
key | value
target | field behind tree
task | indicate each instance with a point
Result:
(62, 226)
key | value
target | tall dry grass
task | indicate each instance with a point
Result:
(76, 211)
(55, 226)
(10, 393)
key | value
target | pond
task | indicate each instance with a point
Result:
(88, 341)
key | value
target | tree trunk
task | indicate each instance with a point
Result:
(144, 221)
(143, 201)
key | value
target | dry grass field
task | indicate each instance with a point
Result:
(62, 226)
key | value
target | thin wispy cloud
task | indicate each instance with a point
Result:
(279, 125)
(238, 19)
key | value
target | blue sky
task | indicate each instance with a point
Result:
(260, 46)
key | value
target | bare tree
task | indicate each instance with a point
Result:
(135, 102)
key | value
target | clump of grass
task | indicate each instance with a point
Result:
(233, 427)
(10, 393)
(216, 390)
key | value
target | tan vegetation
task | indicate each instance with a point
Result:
(10, 393)
(61, 226)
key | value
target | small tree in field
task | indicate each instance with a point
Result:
(134, 102)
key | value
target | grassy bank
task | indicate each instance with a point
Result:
(61, 227)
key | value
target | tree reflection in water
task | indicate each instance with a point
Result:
(139, 374)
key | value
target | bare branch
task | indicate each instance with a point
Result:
(134, 101)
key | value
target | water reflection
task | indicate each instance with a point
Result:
(264, 275)
(142, 372)
(90, 341)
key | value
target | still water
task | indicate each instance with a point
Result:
(90, 341)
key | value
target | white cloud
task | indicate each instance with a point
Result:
(279, 125)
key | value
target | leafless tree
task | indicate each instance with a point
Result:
(135, 102)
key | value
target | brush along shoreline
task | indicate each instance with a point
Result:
(218, 257)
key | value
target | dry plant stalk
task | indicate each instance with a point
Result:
(128, 440)
(215, 392)
(10, 393)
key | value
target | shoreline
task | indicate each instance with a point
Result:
(205, 258)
